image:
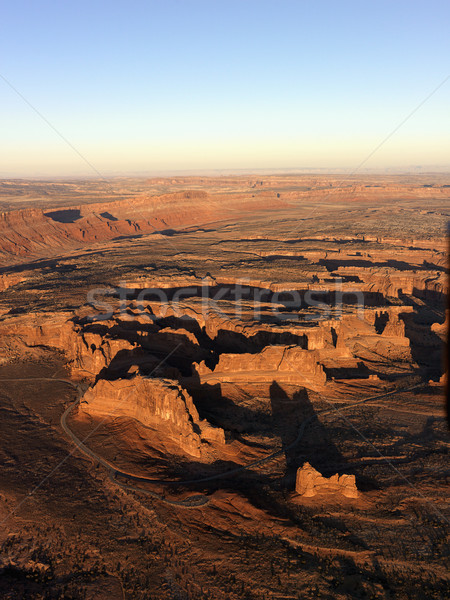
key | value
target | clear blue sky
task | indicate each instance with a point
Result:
(168, 85)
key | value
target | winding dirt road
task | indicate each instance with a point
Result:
(199, 499)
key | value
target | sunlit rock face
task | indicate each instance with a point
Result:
(159, 404)
(310, 483)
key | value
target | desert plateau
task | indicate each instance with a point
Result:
(224, 387)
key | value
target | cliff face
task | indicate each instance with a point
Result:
(91, 352)
(159, 404)
(310, 354)
(25, 231)
(391, 283)
(87, 353)
(301, 364)
(54, 330)
(31, 232)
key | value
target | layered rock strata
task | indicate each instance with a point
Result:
(160, 404)
(281, 360)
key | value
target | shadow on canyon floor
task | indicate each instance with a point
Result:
(287, 411)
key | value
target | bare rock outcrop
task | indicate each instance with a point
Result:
(91, 352)
(87, 353)
(9, 279)
(51, 329)
(441, 329)
(160, 404)
(284, 360)
(310, 483)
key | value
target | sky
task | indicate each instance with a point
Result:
(167, 86)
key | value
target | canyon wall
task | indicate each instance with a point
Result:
(270, 363)
(159, 404)
(33, 232)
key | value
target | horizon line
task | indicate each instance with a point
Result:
(226, 172)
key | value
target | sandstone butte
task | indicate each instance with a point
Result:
(310, 483)
(163, 369)
(159, 404)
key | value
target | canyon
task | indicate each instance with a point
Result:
(240, 374)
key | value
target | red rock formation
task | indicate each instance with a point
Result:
(310, 483)
(54, 330)
(91, 352)
(160, 404)
(31, 232)
(87, 353)
(272, 360)
(9, 279)
(441, 329)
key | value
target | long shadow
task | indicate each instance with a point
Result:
(148, 364)
(427, 349)
(68, 215)
(220, 410)
(263, 487)
(400, 265)
(259, 484)
(149, 340)
(237, 343)
(288, 411)
(315, 446)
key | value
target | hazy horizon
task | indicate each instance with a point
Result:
(211, 173)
